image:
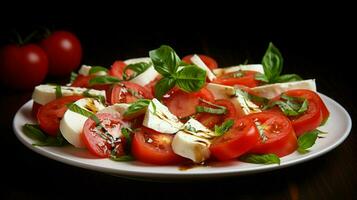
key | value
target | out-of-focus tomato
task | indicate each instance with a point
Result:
(64, 52)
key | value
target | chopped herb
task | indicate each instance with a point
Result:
(75, 108)
(99, 80)
(138, 106)
(96, 69)
(101, 98)
(58, 91)
(225, 126)
(136, 68)
(73, 77)
(261, 158)
(217, 111)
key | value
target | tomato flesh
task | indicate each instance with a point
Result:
(248, 79)
(117, 69)
(209, 61)
(128, 92)
(50, 114)
(153, 147)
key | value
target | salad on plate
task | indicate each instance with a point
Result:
(164, 110)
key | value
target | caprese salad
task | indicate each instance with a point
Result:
(165, 110)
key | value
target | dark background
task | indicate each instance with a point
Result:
(316, 43)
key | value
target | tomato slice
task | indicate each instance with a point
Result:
(183, 104)
(209, 61)
(82, 81)
(240, 138)
(280, 138)
(247, 78)
(128, 92)
(151, 86)
(50, 114)
(35, 108)
(92, 136)
(209, 120)
(153, 147)
(117, 69)
(311, 95)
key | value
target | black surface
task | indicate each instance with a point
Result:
(321, 48)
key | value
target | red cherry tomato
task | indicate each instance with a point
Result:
(23, 67)
(280, 136)
(64, 52)
(239, 139)
(50, 114)
(153, 147)
(210, 62)
(98, 145)
(183, 104)
(128, 92)
(247, 79)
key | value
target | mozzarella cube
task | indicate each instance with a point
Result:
(147, 76)
(253, 67)
(195, 59)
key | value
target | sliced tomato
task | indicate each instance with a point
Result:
(280, 138)
(117, 69)
(240, 138)
(209, 61)
(183, 104)
(93, 137)
(82, 81)
(128, 92)
(35, 108)
(153, 147)
(50, 114)
(151, 86)
(247, 78)
(209, 120)
(311, 95)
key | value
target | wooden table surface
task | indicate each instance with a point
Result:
(28, 175)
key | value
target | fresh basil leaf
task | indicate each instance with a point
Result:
(288, 78)
(261, 77)
(163, 86)
(138, 106)
(75, 108)
(34, 132)
(304, 106)
(272, 63)
(58, 91)
(190, 78)
(165, 60)
(307, 140)
(286, 108)
(137, 68)
(95, 119)
(127, 134)
(261, 158)
(217, 111)
(101, 98)
(292, 107)
(224, 127)
(73, 77)
(259, 99)
(96, 69)
(103, 80)
(121, 158)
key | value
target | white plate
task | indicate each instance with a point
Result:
(338, 128)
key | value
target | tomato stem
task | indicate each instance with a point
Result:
(19, 38)
(29, 37)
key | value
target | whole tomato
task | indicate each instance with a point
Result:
(64, 52)
(23, 66)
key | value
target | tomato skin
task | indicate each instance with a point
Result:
(209, 120)
(158, 151)
(209, 61)
(281, 138)
(120, 93)
(64, 52)
(183, 104)
(35, 108)
(117, 69)
(82, 81)
(240, 138)
(23, 67)
(50, 114)
(92, 140)
(247, 80)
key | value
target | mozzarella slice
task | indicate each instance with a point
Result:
(240, 101)
(159, 118)
(117, 109)
(71, 125)
(273, 90)
(84, 70)
(193, 141)
(195, 59)
(254, 67)
(46, 93)
(147, 76)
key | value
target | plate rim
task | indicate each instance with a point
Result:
(180, 174)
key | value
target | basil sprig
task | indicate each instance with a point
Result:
(273, 65)
(307, 140)
(293, 106)
(136, 68)
(261, 158)
(218, 110)
(33, 131)
(100, 80)
(224, 127)
(96, 69)
(189, 78)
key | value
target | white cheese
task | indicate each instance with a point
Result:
(46, 93)
(273, 90)
(195, 59)
(159, 118)
(71, 125)
(147, 76)
(253, 67)
(117, 109)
